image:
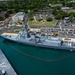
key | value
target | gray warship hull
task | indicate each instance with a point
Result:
(44, 46)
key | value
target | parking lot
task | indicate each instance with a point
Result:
(64, 32)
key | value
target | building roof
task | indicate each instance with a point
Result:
(54, 5)
(65, 8)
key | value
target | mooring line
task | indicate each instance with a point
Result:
(25, 54)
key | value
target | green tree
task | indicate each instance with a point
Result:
(35, 10)
(71, 18)
(72, 13)
(49, 19)
(26, 11)
(6, 15)
(31, 18)
(1, 18)
(54, 11)
(10, 11)
(57, 8)
(58, 16)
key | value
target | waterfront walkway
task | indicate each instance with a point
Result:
(5, 65)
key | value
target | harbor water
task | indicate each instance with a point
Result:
(29, 60)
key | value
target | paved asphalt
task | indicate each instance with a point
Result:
(5, 65)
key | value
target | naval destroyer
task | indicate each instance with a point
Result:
(25, 37)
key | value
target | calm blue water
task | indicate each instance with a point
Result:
(25, 65)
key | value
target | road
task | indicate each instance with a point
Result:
(6, 22)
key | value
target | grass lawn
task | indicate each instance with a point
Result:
(69, 11)
(41, 23)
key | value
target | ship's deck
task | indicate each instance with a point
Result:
(10, 34)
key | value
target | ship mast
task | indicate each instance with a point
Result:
(25, 26)
(25, 19)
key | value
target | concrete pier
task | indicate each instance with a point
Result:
(5, 65)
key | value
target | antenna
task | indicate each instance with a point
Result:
(25, 19)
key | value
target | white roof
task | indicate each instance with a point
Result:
(18, 14)
(65, 8)
(54, 5)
